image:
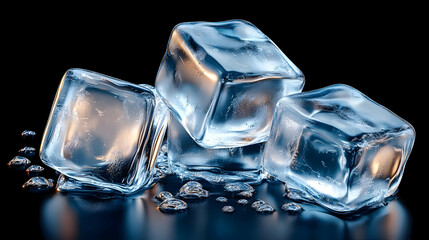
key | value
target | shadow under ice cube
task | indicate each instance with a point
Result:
(221, 80)
(104, 132)
(336, 147)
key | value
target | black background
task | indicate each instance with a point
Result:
(376, 49)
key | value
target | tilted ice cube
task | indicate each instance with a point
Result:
(338, 148)
(221, 80)
(191, 161)
(104, 131)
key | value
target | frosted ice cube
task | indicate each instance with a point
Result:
(221, 80)
(103, 131)
(191, 161)
(338, 148)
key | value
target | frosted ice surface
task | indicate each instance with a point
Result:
(338, 148)
(221, 80)
(104, 131)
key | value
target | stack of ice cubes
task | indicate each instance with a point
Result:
(235, 113)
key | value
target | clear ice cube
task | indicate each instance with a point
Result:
(336, 147)
(221, 80)
(104, 132)
(191, 161)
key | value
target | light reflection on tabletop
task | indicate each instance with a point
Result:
(69, 216)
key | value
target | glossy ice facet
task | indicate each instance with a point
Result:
(104, 132)
(338, 148)
(221, 80)
(191, 161)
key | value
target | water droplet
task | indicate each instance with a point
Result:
(27, 151)
(34, 170)
(292, 208)
(164, 195)
(257, 203)
(38, 184)
(238, 187)
(246, 194)
(222, 199)
(19, 161)
(228, 209)
(242, 201)
(172, 205)
(193, 190)
(264, 208)
(28, 134)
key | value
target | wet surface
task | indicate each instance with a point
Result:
(138, 217)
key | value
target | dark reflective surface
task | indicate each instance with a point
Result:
(137, 217)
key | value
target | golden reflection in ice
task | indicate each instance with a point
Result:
(101, 128)
(386, 162)
(191, 64)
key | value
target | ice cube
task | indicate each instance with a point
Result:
(336, 147)
(191, 161)
(103, 131)
(221, 80)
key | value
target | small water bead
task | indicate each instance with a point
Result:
(34, 170)
(38, 184)
(242, 201)
(164, 195)
(265, 208)
(246, 194)
(257, 203)
(172, 205)
(238, 187)
(292, 208)
(193, 190)
(28, 134)
(228, 209)
(19, 161)
(27, 151)
(222, 199)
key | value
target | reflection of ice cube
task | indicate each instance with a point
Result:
(336, 147)
(104, 131)
(222, 80)
(191, 161)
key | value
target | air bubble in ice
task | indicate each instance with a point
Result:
(242, 201)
